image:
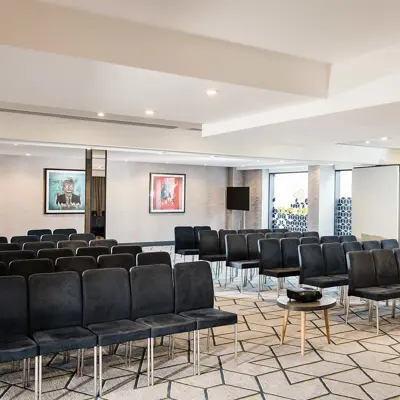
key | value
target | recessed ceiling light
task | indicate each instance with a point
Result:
(367, 142)
(27, 154)
(126, 160)
(100, 114)
(384, 138)
(166, 162)
(160, 152)
(149, 112)
(258, 160)
(205, 165)
(213, 156)
(212, 92)
(15, 144)
(282, 161)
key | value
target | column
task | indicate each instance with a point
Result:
(234, 218)
(88, 189)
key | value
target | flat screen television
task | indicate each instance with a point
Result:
(238, 198)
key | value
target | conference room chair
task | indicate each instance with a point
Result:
(64, 231)
(36, 246)
(55, 311)
(103, 243)
(347, 238)
(280, 230)
(185, 243)
(330, 239)
(275, 235)
(209, 249)
(55, 238)
(221, 234)
(24, 239)
(87, 237)
(26, 268)
(107, 313)
(3, 269)
(153, 257)
(311, 233)
(263, 231)
(126, 261)
(10, 255)
(252, 245)
(290, 252)
(351, 246)
(3, 240)
(53, 254)
(94, 252)
(197, 230)
(237, 256)
(153, 304)
(127, 248)
(194, 299)
(71, 244)
(15, 344)
(297, 235)
(371, 245)
(79, 264)
(11, 246)
(389, 244)
(309, 240)
(39, 232)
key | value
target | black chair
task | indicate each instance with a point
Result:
(3, 240)
(252, 245)
(297, 235)
(280, 230)
(185, 243)
(290, 252)
(94, 252)
(71, 244)
(389, 244)
(54, 238)
(263, 231)
(26, 268)
(351, 246)
(39, 232)
(53, 254)
(222, 233)
(55, 310)
(127, 248)
(347, 238)
(209, 247)
(371, 245)
(79, 264)
(24, 239)
(311, 233)
(11, 246)
(153, 301)
(237, 256)
(309, 240)
(330, 239)
(87, 237)
(194, 299)
(3, 269)
(15, 344)
(103, 243)
(197, 230)
(107, 311)
(126, 261)
(275, 235)
(153, 257)
(246, 231)
(10, 255)
(67, 231)
(36, 246)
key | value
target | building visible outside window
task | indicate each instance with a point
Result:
(343, 203)
(288, 201)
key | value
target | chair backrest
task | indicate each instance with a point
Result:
(309, 240)
(13, 307)
(290, 252)
(280, 230)
(67, 231)
(334, 259)
(71, 244)
(24, 239)
(275, 235)
(330, 239)
(103, 243)
(11, 246)
(297, 235)
(26, 268)
(3, 269)
(371, 245)
(362, 271)
(396, 253)
(197, 230)
(53, 254)
(127, 248)
(184, 238)
(54, 238)
(39, 232)
(152, 291)
(222, 233)
(263, 231)
(311, 233)
(79, 264)
(351, 246)
(126, 261)
(194, 287)
(252, 245)
(311, 261)
(10, 255)
(236, 248)
(208, 243)
(94, 252)
(246, 231)
(87, 237)
(153, 257)
(389, 244)
(387, 272)
(270, 254)
(36, 246)
(347, 238)
(3, 240)
(55, 301)
(106, 295)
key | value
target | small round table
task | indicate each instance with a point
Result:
(325, 303)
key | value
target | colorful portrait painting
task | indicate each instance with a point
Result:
(64, 191)
(167, 193)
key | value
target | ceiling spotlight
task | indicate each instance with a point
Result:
(212, 92)
(213, 156)
(282, 161)
(367, 142)
(27, 154)
(15, 144)
(149, 112)
(100, 114)
(384, 138)
(205, 165)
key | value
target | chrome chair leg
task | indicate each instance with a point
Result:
(393, 308)
(241, 281)
(198, 352)
(370, 304)
(194, 352)
(208, 339)
(152, 360)
(226, 276)
(377, 317)
(28, 381)
(347, 305)
(24, 373)
(100, 371)
(95, 377)
(236, 342)
(78, 363)
(148, 361)
(173, 348)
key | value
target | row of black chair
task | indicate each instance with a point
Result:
(55, 238)
(61, 312)
(40, 232)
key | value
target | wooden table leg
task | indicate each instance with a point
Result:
(303, 331)
(328, 332)
(285, 322)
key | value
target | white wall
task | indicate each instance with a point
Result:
(376, 201)
(128, 217)
(22, 194)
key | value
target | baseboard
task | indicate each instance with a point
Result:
(150, 244)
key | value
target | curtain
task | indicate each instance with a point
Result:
(98, 194)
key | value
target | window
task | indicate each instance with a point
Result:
(343, 203)
(288, 201)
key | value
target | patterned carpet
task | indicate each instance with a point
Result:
(356, 365)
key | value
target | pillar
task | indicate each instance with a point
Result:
(88, 189)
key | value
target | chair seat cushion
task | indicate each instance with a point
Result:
(244, 264)
(327, 281)
(167, 324)
(188, 252)
(281, 272)
(210, 317)
(17, 348)
(213, 257)
(64, 339)
(378, 293)
(120, 331)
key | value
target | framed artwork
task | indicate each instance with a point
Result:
(167, 193)
(64, 191)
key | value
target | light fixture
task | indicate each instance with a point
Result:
(205, 165)
(160, 152)
(27, 154)
(149, 112)
(213, 156)
(100, 114)
(258, 160)
(212, 92)
(384, 138)
(367, 142)
(15, 144)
